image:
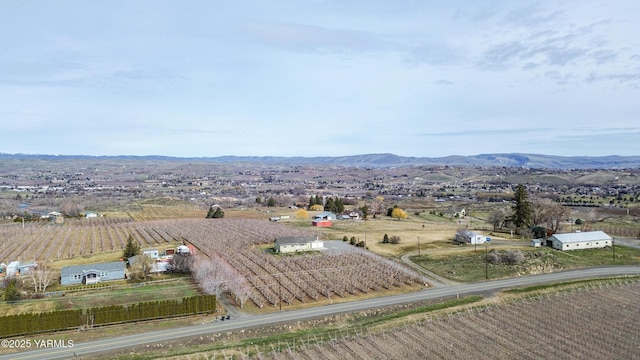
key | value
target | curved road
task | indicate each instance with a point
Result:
(247, 321)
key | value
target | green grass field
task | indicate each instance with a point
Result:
(470, 266)
(114, 293)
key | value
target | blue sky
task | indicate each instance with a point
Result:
(320, 78)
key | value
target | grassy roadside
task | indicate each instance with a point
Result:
(314, 331)
(471, 265)
(565, 286)
(288, 336)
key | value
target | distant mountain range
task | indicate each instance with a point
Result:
(384, 160)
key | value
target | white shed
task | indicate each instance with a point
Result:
(13, 269)
(580, 240)
(152, 253)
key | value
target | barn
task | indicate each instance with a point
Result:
(321, 223)
(580, 240)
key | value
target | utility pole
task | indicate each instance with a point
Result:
(614, 250)
(486, 261)
(280, 291)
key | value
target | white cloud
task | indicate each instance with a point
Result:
(319, 77)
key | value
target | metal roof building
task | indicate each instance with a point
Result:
(580, 240)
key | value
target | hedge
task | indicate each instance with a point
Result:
(31, 323)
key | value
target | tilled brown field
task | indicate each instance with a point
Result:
(595, 323)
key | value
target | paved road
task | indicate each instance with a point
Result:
(247, 321)
(630, 242)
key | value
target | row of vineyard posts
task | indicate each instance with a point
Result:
(30, 323)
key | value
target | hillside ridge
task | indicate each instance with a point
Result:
(381, 160)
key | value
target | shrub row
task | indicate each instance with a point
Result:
(31, 323)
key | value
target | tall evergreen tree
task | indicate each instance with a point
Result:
(11, 291)
(215, 212)
(218, 214)
(131, 248)
(365, 211)
(521, 208)
(329, 205)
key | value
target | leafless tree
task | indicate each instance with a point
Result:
(141, 268)
(211, 276)
(462, 236)
(557, 213)
(497, 218)
(545, 211)
(41, 276)
(377, 207)
(181, 263)
(72, 209)
(540, 210)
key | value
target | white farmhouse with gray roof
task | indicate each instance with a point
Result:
(580, 240)
(92, 273)
(289, 244)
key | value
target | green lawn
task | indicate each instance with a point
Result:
(471, 266)
(119, 293)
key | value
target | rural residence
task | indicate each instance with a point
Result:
(325, 215)
(289, 244)
(475, 239)
(92, 273)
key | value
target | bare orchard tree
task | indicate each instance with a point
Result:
(215, 276)
(41, 276)
(210, 276)
(241, 291)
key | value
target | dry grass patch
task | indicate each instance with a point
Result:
(409, 230)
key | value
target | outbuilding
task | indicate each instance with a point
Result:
(321, 223)
(12, 269)
(580, 240)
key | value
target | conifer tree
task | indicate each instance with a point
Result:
(521, 208)
(131, 248)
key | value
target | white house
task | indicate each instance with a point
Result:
(476, 238)
(290, 244)
(580, 240)
(92, 273)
